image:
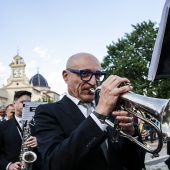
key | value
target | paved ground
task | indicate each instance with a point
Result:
(156, 163)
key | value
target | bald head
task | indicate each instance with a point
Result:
(78, 58)
(80, 75)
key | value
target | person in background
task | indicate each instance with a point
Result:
(149, 129)
(2, 113)
(153, 129)
(9, 112)
(11, 136)
(71, 133)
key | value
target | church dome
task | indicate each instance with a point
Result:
(38, 80)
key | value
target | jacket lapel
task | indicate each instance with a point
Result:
(71, 109)
(15, 129)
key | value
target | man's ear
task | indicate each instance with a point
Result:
(65, 75)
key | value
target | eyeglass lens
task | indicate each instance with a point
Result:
(87, 75)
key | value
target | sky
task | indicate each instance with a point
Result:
(46, 33)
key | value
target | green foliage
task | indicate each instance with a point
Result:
(130, 57)
(45, 99)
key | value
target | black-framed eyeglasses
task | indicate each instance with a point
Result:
(86, 75)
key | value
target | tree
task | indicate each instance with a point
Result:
(45, 98)
(130, 57)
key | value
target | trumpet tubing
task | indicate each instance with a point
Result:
(138, 105)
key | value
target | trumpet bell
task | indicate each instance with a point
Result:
(156, 107)
(139, 106)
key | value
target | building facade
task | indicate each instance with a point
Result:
(17, 81)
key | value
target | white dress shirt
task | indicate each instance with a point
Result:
(84, 111)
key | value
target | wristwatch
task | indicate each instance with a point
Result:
(102, 118)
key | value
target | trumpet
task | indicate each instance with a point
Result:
(136, 104)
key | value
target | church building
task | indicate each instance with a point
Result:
(17, 81)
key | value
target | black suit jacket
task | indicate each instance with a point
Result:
(4, 120)
(69, 141)
(10, 144)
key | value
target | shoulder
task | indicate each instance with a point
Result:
(6, 123)
(46, 110)
(54, 109)
(64, 101)
(46, 106)
(7, 126)
(2, 121)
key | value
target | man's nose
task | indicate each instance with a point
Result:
(92, 80)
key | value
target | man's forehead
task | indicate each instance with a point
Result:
(23, 100)
(24, 97)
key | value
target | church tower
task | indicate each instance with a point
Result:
(18, 71)
(37, 85)
(17, 80)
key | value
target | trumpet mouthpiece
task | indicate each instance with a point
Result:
(91, 91)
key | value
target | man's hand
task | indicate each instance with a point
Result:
(125, 121)
(15, 166)
(111, 89)
(31, 142)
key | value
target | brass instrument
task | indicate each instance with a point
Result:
(27, 156)
(135, 104)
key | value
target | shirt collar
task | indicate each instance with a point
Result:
(77, 101)
(17, 119)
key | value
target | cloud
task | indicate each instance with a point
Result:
(55, 61)
(42, 52)
(56, 82)
(31, 68)
(50, 66)
(4, 74)
(2, 69)
(32, 64)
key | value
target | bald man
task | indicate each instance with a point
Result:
(69, 137)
